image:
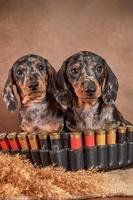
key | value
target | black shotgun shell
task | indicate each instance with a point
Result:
(35, 157)
(122, 146)
(130, 144)
(59, 158)
(102, 153)
(130, 153)
(45, 157)
(44, 151)
(76, 159)
(55, 141)
(129, 133)
(121, 134)
(122, 154)
(44, 142)
(113, 156)
(90, 157)
(26, 153)
(102, 157)
(112, 148)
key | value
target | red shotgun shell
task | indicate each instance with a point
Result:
(76, 140)
(13, 140)
(4, 142)
(89, 138)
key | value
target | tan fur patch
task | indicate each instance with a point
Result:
(28, 95)
(82, 97)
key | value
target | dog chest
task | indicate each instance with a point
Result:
(34, 114)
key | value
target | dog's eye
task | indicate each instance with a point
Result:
(99, 69)
(41, 67)
(74, 70)
(19, 72)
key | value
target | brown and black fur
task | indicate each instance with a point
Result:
(87, 90)
(34, 79)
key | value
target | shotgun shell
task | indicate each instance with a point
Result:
(55, 141)
(13, 140)
(65, 139)
(4, 142)
(100, 137)
(33, 140)
(121, 134)
(23, 140)
(76, 140)
(89, 138)
(130, 133)
(111, 136)
(43, 138)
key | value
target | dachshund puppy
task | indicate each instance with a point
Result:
(34, 79)
(87, 92)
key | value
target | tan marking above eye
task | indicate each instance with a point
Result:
(21, 66)
(76, 65)
(93, 64)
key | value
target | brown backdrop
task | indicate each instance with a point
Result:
(56, 29)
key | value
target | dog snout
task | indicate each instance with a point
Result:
(33, 76)
(33, 85)
(33, 82)
(90, 87)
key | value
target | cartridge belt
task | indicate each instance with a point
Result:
(103, 149)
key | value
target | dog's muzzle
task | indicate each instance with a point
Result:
(33, 85)
(33, 82)
(90, 87)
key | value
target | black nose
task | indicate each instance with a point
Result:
(33, 85)
(90, 87)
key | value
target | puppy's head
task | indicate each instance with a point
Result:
(33, 77)
(88, 77)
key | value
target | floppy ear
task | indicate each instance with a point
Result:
(111, 87)
(64, 95)
(8, 94)
(52, 75)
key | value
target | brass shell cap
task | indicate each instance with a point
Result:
(22, 135)
(100, 131)
(111, 131)
(54, 136)
(3, 136)
(75, 134)
(130, 128)
(11, 135)
(121, 129)
(43, 135)
(32, 135)
(89, 132)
